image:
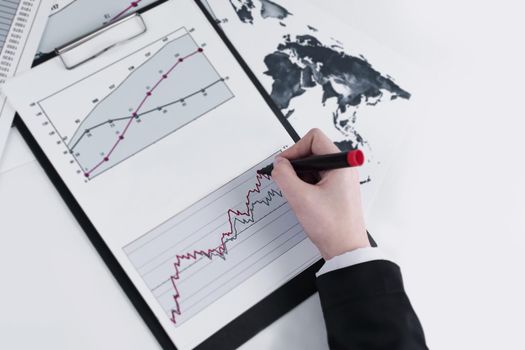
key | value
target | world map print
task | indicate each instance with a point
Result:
(302, 62)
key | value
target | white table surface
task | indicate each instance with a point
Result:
(451, 213)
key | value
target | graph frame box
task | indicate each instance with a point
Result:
(143, 111)
(266, 311)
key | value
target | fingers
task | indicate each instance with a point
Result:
(290, 184)
(314, 142)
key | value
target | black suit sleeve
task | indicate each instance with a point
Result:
(365, 307)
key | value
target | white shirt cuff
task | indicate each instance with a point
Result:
(354, 257)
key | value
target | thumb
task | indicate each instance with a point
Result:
(286, 178)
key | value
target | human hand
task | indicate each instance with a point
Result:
(330, 210)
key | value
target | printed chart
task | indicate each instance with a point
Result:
(87, 15)
(174, 86)
(202, 253)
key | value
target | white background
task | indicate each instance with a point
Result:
(451, 212)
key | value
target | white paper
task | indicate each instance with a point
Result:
(21, 27)
(86, 15)
(269, 35)
(159, 143)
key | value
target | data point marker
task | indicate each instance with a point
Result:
(106, 159)
(86, 175)
(200, 49)
(121, 137)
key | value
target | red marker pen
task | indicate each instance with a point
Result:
(323, 162)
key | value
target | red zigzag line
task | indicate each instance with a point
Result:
(220, 249)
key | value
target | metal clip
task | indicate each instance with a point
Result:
(97, 42)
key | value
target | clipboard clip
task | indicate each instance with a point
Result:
(99, 41)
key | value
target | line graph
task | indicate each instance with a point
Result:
(134, 116)
(172, 87)
(141, 114)
(191, 261)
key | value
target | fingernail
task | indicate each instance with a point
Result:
(278, 160)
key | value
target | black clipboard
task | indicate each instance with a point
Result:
(251, 321)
